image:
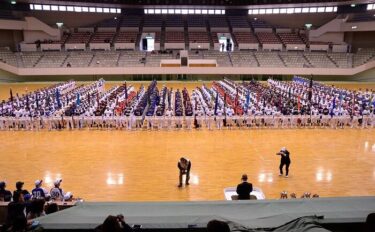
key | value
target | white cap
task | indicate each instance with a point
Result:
(38, 182)
(57, 181)
(283, 149)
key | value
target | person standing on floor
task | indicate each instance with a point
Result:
(184, 165)
(285, 160)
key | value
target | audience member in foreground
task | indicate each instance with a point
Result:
(370, 222)
(52, 208)
(244, 189)
(114, 224)
(36, 209)
(5, 195)
(217, 226)
(16, 211)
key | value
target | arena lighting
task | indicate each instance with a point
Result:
(308, 25)
(354, 27)
(371, 7)
(185, 11)
(59, 24)
(298, 10)
(79, 9)
(352, 5)
(13, 2)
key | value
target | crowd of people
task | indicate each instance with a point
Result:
(227, 104)
(24, 206)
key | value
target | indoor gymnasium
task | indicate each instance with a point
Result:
(210, 115)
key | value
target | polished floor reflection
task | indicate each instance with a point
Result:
(141, 165)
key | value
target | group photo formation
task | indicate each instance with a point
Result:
(189, 116)
(225, 105)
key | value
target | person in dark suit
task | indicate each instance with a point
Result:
(244, 189)
(184, 165)
(5, 195)
(285, 160)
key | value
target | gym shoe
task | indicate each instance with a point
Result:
(180, 185)
(187, 183)
(280, 174)
(286, 176)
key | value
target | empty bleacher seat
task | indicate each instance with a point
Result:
(153, 21)
(105, 59)
(174, 21)
(239, 22)
(131, 59)
(218, 21)
(196, 21)
(79, 59)
(51, 60)
(268, 38)
(131, 21)
(319, 59)
(269, 59)
(79, 37)
(102, 37)
(243, 59)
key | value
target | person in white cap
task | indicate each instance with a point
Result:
(285, 160)
(58, 194)
(38, 192)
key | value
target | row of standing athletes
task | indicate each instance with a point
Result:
(189, 122)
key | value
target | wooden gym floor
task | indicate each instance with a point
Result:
(142, 165)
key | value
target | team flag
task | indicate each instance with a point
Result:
(11, 94)
(126, 91)
(78, 101)
(58, 98)
(216, 102)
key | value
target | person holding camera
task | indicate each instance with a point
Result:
(114, 224)
(285, 160)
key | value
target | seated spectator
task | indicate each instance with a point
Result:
(19, 186)
(38, 192)
(370, 222)
(244, 189)
(5, 195)
(217, 226)
(19, 224)
(293, 195)
(16, 210)
(52, 208)
(315, 196)
(114, 224)
(58, 194)
(36, 209)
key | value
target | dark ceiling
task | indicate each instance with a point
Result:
(197, 2)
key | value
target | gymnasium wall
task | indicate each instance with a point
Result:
(297, 20)
(367, 76)
(70, 19)
(10, 38)
(360, 39)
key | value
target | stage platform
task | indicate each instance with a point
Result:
(179, 215)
